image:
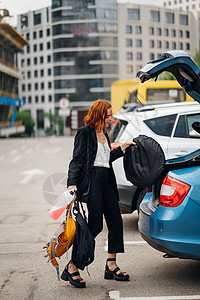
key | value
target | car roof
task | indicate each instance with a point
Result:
(157, 110)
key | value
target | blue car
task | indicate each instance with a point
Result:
(170, 213)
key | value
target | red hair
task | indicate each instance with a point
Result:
(97, 114)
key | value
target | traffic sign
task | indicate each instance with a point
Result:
(64, 103)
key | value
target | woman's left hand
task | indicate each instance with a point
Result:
(126, 145)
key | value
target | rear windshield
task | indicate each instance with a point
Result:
(162, 125)
(166, 94)
(116, 130)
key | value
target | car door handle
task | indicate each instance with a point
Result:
(181, 153)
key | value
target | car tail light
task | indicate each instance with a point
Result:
(115, 145)
(173, 192)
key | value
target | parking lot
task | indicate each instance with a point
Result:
(25, 165)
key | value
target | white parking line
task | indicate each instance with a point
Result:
(135, 243)
(115, 295)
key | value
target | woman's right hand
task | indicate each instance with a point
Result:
(72, 187)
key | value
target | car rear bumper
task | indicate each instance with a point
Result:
(156, 229)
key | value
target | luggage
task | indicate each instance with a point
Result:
(144, 162)
(62, 239)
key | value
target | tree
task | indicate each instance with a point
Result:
(27, 121)
(166, 76)
(56, 124)
(197, 58)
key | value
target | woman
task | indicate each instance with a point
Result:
(92, 176)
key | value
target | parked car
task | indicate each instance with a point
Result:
(169, 124)
(169, 215)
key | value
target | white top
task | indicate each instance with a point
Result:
(103, 155)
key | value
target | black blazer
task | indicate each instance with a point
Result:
(84, 154)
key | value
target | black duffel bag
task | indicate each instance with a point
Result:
(84, 243)
(144, 162)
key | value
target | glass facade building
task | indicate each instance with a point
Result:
(85, 48)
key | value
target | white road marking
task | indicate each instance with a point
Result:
(29, 174)
(15, 159)
(52, 150)
(13, 152)
(115, 295)
(134, 243)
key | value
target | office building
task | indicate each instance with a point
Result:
(163, 30)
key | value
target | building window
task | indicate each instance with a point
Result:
(49, 72)
(139, 55)
(23, 87)
(50, 98)
(173, 45)
(36, 86)
(187, 34)
(183, 19)
(28, 62)
(29, 74)
(36, 19)
(129, 55)
(48, 31)
(166, 45)
(34, 35)
(180, 46)
(166, 32)
(28, 49)
(42, 85)
(129, 69)
(187, 46)
(138, 43)
(151, 43)
(35, 60)
(41, 59)
(29, 87)
(159, 31)
(180, 33)
(35, 48)
(169, 18)
(42, 99)
(41, 47)
(42, 73)
(49, 85)
(41, 33)
(138, 29)
(173, 32)
(154, 16)
(128, 29)
(129, 43)
(28, 36)
(159, 44)
(35, 73)
(133, 14)
(36, 99)
(22, 63)
(49, 58)
(151, 56)
(48, 45)
(151, 30)
(29, 99)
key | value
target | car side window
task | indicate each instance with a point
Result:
(181, 128)
(116, 130)
(190, 120)
(162, 125)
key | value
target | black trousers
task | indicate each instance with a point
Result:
(103, 201)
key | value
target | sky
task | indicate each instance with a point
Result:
(17, 7)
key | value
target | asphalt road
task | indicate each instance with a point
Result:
(30, 178)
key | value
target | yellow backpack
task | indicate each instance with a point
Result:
(62, 239)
